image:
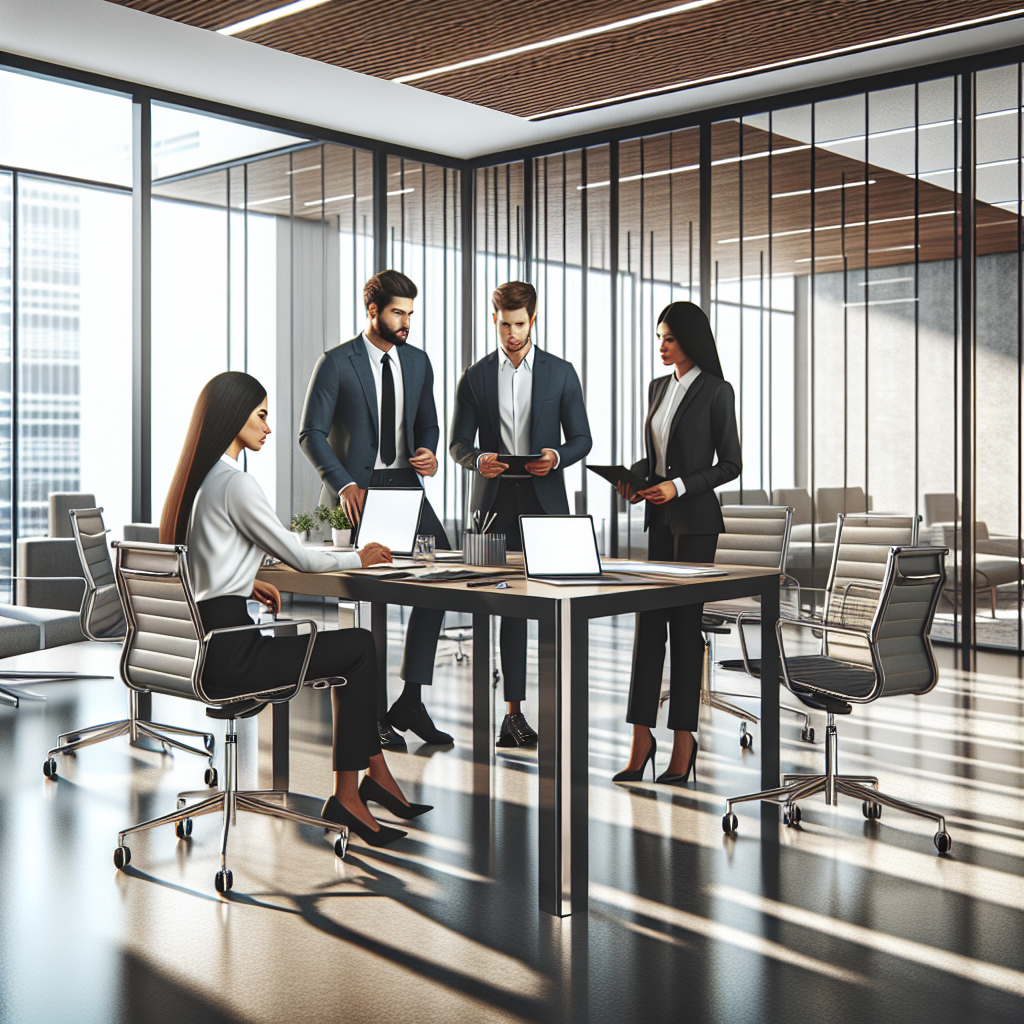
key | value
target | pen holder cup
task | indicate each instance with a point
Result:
(483, 548)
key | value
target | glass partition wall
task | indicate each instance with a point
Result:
(835, 266)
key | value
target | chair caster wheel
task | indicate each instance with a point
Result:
(50, 768)
(122, 857)
(807, 734)
(223, 880)
(730, 824)
(871, 810)
(210, 778)
(340, 846)
(183, 829)
(208, 743)
(747, 741)
(943, 842)
(791, 816)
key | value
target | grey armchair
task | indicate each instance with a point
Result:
(874, 644)
(165, 652)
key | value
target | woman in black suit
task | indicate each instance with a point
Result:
(691, 421)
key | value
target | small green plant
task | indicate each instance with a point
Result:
(322, 513)
(302, 522)
(337, 518)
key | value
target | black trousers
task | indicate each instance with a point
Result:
(684, 633)
(246, 662)
(424, 623)
(515, 498)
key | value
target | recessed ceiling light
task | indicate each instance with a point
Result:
(267, 16)
(775, 65)
(400, 191)
(330, 199)
(557, 41)
(272, 199)
(824, 188)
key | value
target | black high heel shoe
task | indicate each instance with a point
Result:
(371, 789)
(635, 775)
(676, 779)
(334, 810)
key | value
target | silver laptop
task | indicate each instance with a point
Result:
(391, 516)
(562, 550)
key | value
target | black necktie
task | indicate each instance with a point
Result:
(387, 412)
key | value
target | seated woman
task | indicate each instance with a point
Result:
(224, 517)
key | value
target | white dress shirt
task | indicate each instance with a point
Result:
(661, 422)
(515, 405)
(377, 366)
(233, 525)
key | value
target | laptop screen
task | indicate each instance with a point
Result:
(390, 517)
(560, 546)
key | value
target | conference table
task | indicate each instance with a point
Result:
(563, 615)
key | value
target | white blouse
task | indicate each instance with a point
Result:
(661, 422)
(231, 528)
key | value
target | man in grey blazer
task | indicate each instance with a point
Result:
(369, 420)
(520, 400)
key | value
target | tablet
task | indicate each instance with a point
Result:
(517, 464)
(391, 516)
(619, 474)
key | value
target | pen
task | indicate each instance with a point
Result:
(487, 583)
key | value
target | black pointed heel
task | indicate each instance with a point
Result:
(678, 780)
(371, 789)
(334, 810)
(636, 775)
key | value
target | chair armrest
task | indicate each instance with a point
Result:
(864, 634)
(274, 627)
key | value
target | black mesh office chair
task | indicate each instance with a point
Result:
(103, 621)
(164, 651)
(874, 644)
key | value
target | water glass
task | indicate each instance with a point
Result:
(424, 549)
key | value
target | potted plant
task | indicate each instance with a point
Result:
(302, 523)
(341, 528)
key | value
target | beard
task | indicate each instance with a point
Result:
(517, 347)
(391, 336)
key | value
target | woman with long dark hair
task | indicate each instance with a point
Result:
(692, 447)
(225, 519)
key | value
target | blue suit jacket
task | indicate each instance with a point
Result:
(556, 408)
(339, 431)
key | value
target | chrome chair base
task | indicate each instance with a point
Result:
(10, 695)
(134, 728)
(228, 802)
(797, 787)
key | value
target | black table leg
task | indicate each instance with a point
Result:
(483, 701)
(769, 693)
(379, 629)
(280, 765)
(563, 754)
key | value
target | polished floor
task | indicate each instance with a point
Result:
(838, 920)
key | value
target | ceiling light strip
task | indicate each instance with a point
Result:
(268, 16)
(571, 37)
(776, 65)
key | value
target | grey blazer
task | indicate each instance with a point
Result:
(339, 431)
(557, 407)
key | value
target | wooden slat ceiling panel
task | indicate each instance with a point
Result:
(727, 37)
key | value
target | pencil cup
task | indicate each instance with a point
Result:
(483, 548)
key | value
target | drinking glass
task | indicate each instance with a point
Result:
(424, 549)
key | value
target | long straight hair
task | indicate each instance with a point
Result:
(691, 329)
(221, 409)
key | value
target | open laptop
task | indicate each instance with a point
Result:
(562, 550)
(391, 516)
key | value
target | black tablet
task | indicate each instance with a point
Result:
(619, 474)
(517, 464)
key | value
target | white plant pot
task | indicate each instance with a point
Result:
(303, 535)
(341, 538)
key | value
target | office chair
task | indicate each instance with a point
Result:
(754, 535)
(165, 650)
(874, 644)
(103, 621)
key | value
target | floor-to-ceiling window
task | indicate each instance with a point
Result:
(65, 302)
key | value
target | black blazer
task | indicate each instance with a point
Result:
(339, 433)
(556, 408)
(704, 426)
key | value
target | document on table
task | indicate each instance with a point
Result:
(663, 569)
